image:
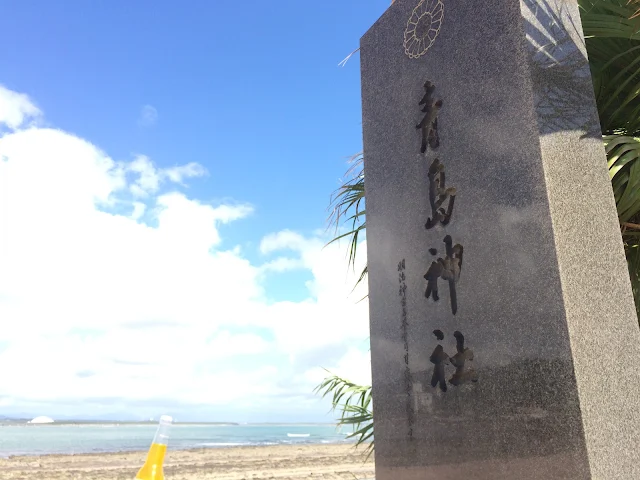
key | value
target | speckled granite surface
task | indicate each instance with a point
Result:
(543, 298)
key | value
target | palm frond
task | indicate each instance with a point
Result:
(347, 207)
(612, 31)
(623, 159)
(344, 61)
(355, 403)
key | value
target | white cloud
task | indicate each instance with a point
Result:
(285, 240)
(138, 210)
(179, 173)
(16, 109)
(150, 177)
(148, 116)
(283, 264)
(354, 366)
(122, 286)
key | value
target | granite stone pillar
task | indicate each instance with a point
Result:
(505, 343)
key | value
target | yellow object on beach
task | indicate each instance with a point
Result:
(152, 468)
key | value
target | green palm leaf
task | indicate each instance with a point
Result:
(612, 35)
(347, 207)
(355, 403)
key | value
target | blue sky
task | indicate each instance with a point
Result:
(252, 95)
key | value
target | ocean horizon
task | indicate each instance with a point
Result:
(101, 437)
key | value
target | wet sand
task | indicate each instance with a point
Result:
(327, 462)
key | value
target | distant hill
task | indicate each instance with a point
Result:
(115, 417)
(13, 421)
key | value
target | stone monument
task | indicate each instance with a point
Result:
(504, 338)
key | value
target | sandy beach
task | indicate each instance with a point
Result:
(272, 462)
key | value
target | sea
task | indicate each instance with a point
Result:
(120, 437)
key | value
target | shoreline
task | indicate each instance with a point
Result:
(301, 461)
(346, 443)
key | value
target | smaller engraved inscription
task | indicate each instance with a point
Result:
(447, 269)
(429, 124)
(438, 194)
(405, 340)
(462, 361)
